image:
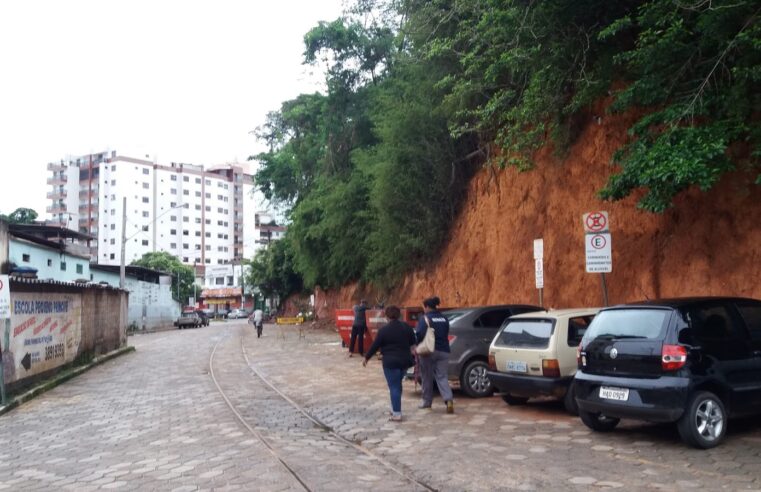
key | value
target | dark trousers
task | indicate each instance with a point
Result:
(357, 331)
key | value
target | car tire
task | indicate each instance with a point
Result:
(569, 400)
(598, 422)
(474, 381)
(514, 400)
(704, 421)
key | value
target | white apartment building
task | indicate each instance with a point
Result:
(202, 216)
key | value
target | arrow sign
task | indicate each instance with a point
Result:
(27, 361)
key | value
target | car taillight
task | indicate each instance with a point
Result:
(451, 338)
(578, 355)
(550, 368)
(673, 357)
(492, 362)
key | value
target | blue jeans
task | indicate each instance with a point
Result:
(394, 379)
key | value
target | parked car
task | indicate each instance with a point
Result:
(692, 361)
(534, 355)
(471, 330)
(204, 317)
(221, 313)
(237, 314)
(189, 319)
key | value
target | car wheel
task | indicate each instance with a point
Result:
(474, 381)
(704, 421)
(514, 400)
(569, 401)
(598, 422)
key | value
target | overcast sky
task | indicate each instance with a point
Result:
(183, 81)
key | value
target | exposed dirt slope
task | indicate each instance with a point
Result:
(707, 244)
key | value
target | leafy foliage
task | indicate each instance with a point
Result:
(168, 263)
(20, 216)
(419, 92)
(271, 271)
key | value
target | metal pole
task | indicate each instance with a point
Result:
(6, 342)
(122, 267)
(604, 289)
(541, 297)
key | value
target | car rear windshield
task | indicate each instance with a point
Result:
(527, 333)
(628, 323)
(453, 315)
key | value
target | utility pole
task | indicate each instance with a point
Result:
(122, 267)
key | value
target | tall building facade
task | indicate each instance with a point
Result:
(202, 216)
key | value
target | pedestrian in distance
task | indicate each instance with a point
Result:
(433, 366)
(258, 318)
(358, 327)
(396, 341)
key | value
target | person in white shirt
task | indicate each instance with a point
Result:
(258, 322)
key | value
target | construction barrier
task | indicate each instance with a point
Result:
(289, 321)
(375, 319)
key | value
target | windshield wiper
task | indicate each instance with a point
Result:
(610, 336)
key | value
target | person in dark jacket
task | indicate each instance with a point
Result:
(358, 327)
(396, 341)
(433, 367)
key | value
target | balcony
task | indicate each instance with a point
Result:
(56, 166)
(58, 208)
(57, 180)
(87, 194)
(56, 195)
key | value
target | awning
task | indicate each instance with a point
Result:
(222, 301)
(220, 293)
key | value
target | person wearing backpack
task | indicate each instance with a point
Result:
(433, 366)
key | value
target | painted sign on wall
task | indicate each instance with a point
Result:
(45, 333)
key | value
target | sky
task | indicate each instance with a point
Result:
(181, 81)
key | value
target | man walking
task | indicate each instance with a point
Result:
(258, 322)
(358, 328)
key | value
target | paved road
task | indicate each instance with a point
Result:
(156, 420)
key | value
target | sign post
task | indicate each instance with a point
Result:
(5, 314)
(597, 246)
(539, 268)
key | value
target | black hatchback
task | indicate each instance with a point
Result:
(693, 361)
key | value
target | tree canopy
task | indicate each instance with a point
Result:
(420, 92)
(20, 216)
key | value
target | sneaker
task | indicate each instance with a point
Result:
(395, 418)
(450, 406)
(424, 406)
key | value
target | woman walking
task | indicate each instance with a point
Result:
(395, 341)
(433, 366)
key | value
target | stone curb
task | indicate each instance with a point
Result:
(62, 378)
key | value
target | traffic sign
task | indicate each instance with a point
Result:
(539, 273)
(538, 249)
(5, 297)
(595, 222)
(598, 253)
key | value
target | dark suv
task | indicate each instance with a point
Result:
(471, 331)
(693, 361)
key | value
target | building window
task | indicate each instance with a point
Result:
(174, 177)
(185, 246)
(185, 259)
(145, 170)
(173, 246)
(50, 262)
(208, 221)
(207, 182)
(198, 246)
(207, 196)
(208, 234)
(145, 186)
(198, 207)
(145, 199)
(113, 168)
(207, 208)
(185, 192)
(185, 179)
(63, 266)
(186, 219)
(198, 194)
(113, 241)
(208, 260)
(145, 228)
(25, 257)
(230, 280)
(113, 227)
(220, 197)
(219, 281)
(173, 218)
(113, 197)
(208, 247)
(198, 233)
(173, 232)
(112, 256)
(145, 242)
(173, 191)
(219, 210)
(79, 268)
(198, 220)
(145, 214)
(113, 182)
(173, 204)
(185, 233)
(198, 180)
(113, 211)
(185, 205)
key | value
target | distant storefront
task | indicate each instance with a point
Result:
(222, 299)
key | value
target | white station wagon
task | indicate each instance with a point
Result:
(534, 354)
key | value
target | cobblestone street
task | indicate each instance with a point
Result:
(156, 420)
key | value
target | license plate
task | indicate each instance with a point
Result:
(516, 366)
(620, 394)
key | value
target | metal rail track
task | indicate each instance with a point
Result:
(329, 430)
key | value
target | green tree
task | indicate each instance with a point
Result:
(271, 271)
(20, 216)
(167, 263)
